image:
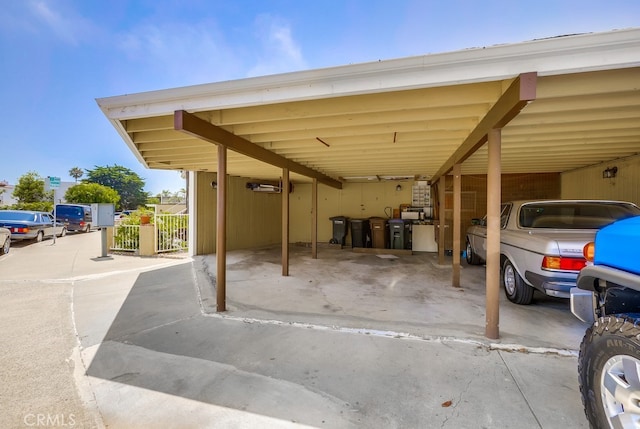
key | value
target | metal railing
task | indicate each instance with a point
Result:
(126, 238)
(172, 232)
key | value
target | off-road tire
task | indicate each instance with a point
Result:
(472, 258)
(609, 342)
(515, 288)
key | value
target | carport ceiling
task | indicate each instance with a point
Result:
(406, 117)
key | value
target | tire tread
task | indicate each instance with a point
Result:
(622, 325)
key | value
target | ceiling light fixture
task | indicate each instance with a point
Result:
(610, 172)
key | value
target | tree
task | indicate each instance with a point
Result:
(126, 182)
(88, 193)
(30, 189)
(30, 193)
(76, 173)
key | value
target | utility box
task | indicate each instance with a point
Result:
(103, 214)
(339, 229)
(379, 232)
(360, 233)
(399, 234)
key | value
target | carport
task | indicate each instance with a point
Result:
(551, 105)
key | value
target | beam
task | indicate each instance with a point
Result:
(193, 125)
(442, 182)
(285, 221)
(314, 219)
(521, 91)
(492, 274)
(221, 231)
(457, 207)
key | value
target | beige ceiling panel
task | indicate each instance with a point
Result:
(474, 111)
(459, 95)
(582, 84)
(157, 136)
(149, 124)
(581, 103)
(164, 145)
(329, 132)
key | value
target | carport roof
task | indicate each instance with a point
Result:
(405, 118)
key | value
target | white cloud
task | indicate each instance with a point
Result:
(280, 52)
(67, 26)
(178, 54)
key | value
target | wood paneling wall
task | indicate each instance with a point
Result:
(253, 218)
(588, 182)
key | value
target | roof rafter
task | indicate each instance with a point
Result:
(193, 125)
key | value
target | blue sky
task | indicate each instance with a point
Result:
(58, 56)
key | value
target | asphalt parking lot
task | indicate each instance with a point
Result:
(124, 342)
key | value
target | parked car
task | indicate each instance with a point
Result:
(608, 296)
(77, 217)
(30, 225)
(541, 243)
(5, 241)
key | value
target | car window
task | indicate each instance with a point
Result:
(46, 218)
(574, 215)
(68, 211)
(23, 216)
(505, 209)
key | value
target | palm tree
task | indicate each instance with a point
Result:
(76, 173)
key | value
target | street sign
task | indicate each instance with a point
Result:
(52, 183)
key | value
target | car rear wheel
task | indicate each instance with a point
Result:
(515, 288)
(40, 236)
(6, 246)
(472, 258)
(609, 372)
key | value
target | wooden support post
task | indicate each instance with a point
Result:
(493, 235)
(441, 222)
(285, 221)
(457, 200)
(221, 231)
(314, 219)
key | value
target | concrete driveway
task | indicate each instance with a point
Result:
(348, 340)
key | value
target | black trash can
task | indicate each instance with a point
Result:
(360, 233)
(379, 232)
(339, 229)
(399, 234)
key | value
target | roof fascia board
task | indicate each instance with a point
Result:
(192, 125)
(521, 92)
(558, 55)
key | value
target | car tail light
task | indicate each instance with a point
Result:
(560, 263)
(20, 230)
(589, 251)
(81, 223)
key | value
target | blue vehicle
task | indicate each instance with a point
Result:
(608, 296)
(77, 217)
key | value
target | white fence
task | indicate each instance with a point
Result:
(126, 238)
(172, 232)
